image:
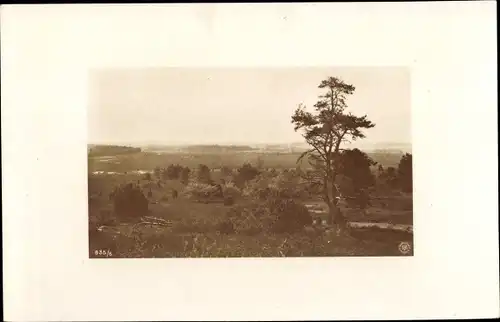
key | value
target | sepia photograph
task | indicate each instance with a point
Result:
(250, 162)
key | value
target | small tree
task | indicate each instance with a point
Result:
(386, 179)
(259, 163)
(226, 171)
(184, 176)
(325, 131)
(129, 202)
(405, 176)
(246, 173)
(356, 166)
(157, 172)
(391, 177)
(380, 171)
(204, 174)
(173, 171)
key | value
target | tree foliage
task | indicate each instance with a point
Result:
(405, 176)
(203, 174)
(173, 172)
(184, 176)
(391, 177)
(246, 173)
(157, 172)
(129, 202)
(356, 165)
(325, 130)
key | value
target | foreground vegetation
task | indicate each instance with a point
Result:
(177, 211)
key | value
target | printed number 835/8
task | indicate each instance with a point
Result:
(103, 252)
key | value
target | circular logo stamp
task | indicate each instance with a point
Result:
(404, 247)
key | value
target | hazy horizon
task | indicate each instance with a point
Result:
(188, 106)
(380, 145)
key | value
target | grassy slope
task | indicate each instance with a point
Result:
(192, 232)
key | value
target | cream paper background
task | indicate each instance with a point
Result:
(47, 52)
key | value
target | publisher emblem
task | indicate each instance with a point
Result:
(404, 247)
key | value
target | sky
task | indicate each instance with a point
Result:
(236, 105)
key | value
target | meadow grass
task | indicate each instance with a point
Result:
(193, 232)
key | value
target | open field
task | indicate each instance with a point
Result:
(150, 160)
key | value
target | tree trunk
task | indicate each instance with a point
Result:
(338, 220)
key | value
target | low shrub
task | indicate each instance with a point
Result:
(284, 186)
(129, 202)
(228, 201)
(275, 215)
(291, 216)
(229, 189)
(202, 191)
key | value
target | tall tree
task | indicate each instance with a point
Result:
(325, 130)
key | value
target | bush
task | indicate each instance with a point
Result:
(129, 202)
(202, 191)
(99, 216)
(405, 175)
(203, 174)
(228, 201)
(290, 215)
(184, 176)
(173, 172)
(157, 172)
(356, 165)
(246, 173)
(248, 219)
(229, 189)
(275, 215)
(287, 186)
(257, 188)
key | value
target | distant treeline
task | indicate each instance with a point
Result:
(105, 150)
(217, 148)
